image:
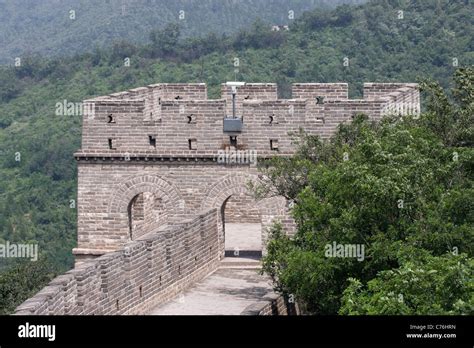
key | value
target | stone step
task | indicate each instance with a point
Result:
(256, 268)
(241, 263)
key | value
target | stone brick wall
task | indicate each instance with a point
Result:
(242, 209)
(153, 95)
(199, 120)
(373, 91)
(272, 304)
(337, 112)
(165, 139)
(269, 121)
(147, 214)
(136, 278)
(107, 187)
(149, 161)
(315, 96)
(249, 92)
(167, 118)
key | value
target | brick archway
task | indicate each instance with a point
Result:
(224, 188)
(231, 184)
(127, 191)
(130, 188)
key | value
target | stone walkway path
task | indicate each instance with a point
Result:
(236, 285)
(228, 291)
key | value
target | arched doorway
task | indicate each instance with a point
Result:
(242, 228)
(270, 209)
(145, 214)
(126, 195)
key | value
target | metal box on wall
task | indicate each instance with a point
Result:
(233, 124)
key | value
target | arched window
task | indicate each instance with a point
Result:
(241, 222)
(145, 214)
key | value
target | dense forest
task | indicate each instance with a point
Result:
(378, 41)
(66, 27)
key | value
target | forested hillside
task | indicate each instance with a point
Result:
(65, 27)
(379, 41)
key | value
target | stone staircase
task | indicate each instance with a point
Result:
(246, 262)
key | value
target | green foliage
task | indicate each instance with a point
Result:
(420, 286)
(9, 89)
(23, 280)
(47, 27)
(395, 187)
(259, 36)
(452, 121)
(164, 43)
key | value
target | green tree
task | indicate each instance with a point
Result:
(397, 189)
(165, 42)
(452, 119)
(22, 280)
(426, 285)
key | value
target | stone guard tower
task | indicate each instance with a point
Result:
(150, 155)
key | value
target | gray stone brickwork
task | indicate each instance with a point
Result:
(241, 209)
(152, 188)
(164, 139)
(272, 304)
(136, 278)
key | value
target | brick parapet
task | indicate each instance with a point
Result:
(140, 276)
(174, 119)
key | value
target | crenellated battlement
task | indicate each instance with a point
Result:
(154, 198)
(179, 120)
(169, 139)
